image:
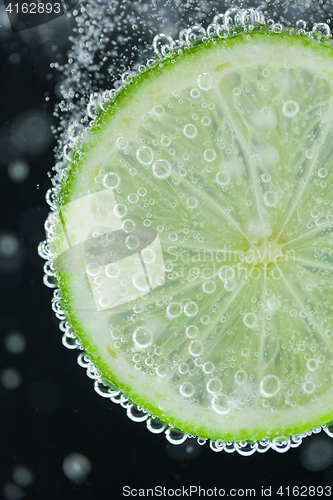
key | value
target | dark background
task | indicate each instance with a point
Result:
(48, 408)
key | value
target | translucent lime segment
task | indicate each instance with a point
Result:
(194, 239)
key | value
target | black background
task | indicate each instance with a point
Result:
(55, 410)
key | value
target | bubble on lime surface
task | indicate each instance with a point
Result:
(176, 310)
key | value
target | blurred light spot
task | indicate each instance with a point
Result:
(22, 475)
(11, 378)
(76, 467)
(10, 253)
(15, 343)
(18, 171)
(188, 450)
(44, 396)
(13, 492)
(15, 58)
(317, 454)
(31, 133)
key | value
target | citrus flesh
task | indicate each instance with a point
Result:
(193, 242)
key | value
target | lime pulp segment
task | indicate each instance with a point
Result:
(193, 238)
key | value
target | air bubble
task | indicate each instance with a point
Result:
(162, 371)
(221, 404)
(190, 131)
(214, 386)
(183, 368)
(322, 172)
(309, 154)
(236, 91)
(265, 177)
(120, 210)
(270, 198)
(240, 377)
(186, 389)
(230, 285)
(148, 255)
(128, 225)
(209, 155)
(290, 109)
(321, 28)
(140, 282)
(112, 271)
(226, 273)
(209, 286)
(195, 93)
(165, 141)
(191, 202)
(195, 348)
(312, 364)
(308, 387)
(162, 169)
(250, 320)
(122, 142)
(222, 178)
(133, 198)
(111, 180)
(142, 337)
(145, 155)
(205, 81)
(174, 310)
(132, 242)
(269, 386)
(191, 309)
(206, 121)
(208, 367)
(192, 331)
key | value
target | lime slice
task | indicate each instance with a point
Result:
(193, 237)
